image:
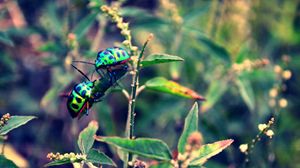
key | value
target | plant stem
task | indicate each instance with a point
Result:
(132, 99)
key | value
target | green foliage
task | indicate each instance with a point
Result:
(15, 122)
(4, 162)
(86, 137)
(88, 155)
(5, 39)
(209, 150)
(83, 26)
(95, 156)
(190, 126)
(167, 86)
(146, 147)
(159, 58)
(58, 162)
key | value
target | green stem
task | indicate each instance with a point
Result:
(132, 99)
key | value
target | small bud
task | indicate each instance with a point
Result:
(287, 74)
(283, 103)
(139, 164)
(134, 48)
(243, 148)
(71, 36)
(270, 133)
(195, 140)
(273, 92)
(277, 69)
(261, 127)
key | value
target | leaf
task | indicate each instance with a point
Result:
(15, 122)
(160, 58)
(58, 162)
(215, 91)
(246, 92)
(146, 147)
(86, 137)
(5, 39)
(4, 162)
(95, 156)
(142, 18)
(83, 26)
(213, 48)
(207, 151)
(167, 86)
(190, 126)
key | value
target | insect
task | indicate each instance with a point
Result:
(81, 98)
(108, 58)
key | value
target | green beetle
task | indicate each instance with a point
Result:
(81, 99)
(110, 57)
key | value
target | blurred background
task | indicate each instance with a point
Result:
(242, 55)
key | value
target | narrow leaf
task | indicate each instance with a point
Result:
(214, 93)
(4, 162)
(15, 122)
(167, 86)
(86, 137)
(146, 147)
(83, 26)
(212, 47)
(5, 39)
(58, 162)
(95, 156)
(246, 92)
(190, 126)
(160, 58)
(207, 151)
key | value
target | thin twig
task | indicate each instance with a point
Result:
(140, 89)
(132, 100)
(126, 94)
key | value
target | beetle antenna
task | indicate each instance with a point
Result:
(84, 62)
(80, 72)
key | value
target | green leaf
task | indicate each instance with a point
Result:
(146, 147)
(86, 137)
(58, 162)
(215, 91)
(190, 126)
(15, 122)
(207, 151)
(167, 86)
(95, 156)
(5, 39)
(246, 92)
(213, 48)
(4, 162)
(83, 26)
(160, 58)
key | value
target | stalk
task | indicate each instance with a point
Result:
(132, 98)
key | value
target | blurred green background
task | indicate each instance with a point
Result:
(243, 56)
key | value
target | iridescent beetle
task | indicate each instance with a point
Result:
(81, 99)
(109, 57)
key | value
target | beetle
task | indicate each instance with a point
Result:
(82, 97)
(108, 58)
